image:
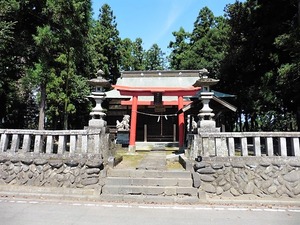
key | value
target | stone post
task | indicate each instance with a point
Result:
(206, 121)
(206, 118)
(97, 114)
(97, 122)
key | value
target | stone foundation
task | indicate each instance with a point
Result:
(261, 177)
(52, 170)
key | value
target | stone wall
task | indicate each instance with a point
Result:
(52, 170)
(274, 177)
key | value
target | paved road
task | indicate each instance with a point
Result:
(39, 212)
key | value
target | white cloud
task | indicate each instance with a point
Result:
(172, 14)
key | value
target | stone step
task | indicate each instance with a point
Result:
(158, 199)
(149, 190)
(141, 181)
(148, 173)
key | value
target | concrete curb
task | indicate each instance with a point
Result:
(50, 193)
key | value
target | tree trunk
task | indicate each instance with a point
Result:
(299, 13)
(42, 107)
(298, 118)
(66, 116)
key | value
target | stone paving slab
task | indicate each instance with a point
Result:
(183, 182)
(155, 160)
(148, 173)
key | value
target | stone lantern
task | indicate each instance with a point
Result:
(206, 122)
(99, 85)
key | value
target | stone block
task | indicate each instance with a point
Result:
(222, 182)
(272, 189)
(187, 191)
(234, 192)
(151, 190)
(200, 165)
(95, 163)
(56, 163)
(40, 161)
(249, 188)
(207, 170)
(209, 188)
(292, 176)
(72, 163)
(296, 190)
(207, 178)
(169, 191)
(184, 182)
(219, 190)
(267, 184)
(196, 180)
(89, 181)
(93, 171)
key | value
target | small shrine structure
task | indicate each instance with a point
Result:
(154, 100)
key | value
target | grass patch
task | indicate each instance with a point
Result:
(174, 166)
(130, 160)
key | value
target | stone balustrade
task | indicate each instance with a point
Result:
(244, 144)
(48, 158)
(87, 141)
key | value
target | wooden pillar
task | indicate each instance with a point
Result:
(133, 121)
(181, 124)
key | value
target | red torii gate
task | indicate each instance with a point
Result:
(135, 92)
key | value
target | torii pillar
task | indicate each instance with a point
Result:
(133, 121)
(180, 124)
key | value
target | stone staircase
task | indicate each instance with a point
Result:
(149, 186)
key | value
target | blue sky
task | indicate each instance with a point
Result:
(155, 20)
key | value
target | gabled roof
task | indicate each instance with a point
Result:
(159, 79)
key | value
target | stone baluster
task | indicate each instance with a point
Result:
(61, 144)
(3, 142)
(73, 143)
(244, 146)
(282, 146)
(38, 144)
(15, 142)
(84, 143)
(49, 144)
(257, 146)
(269, 145)
(96, 140)
(295, 146)
(231, 146)
(26, 143)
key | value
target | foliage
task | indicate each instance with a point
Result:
(154, 58)
(50, 48)
(261, 61)
(204, 47)
(107, 43)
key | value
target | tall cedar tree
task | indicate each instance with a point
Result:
(154, 58)
(62, 58)
(17, 25)
(107, 43)
(205, 47)
(257, 66)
